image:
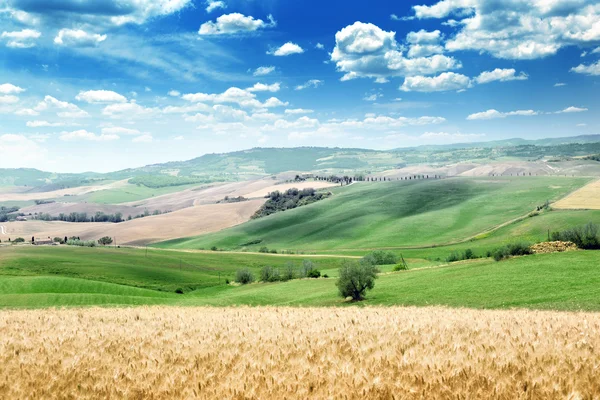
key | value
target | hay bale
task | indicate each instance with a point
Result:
(553, 247)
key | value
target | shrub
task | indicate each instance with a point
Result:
(585, 237)
(179, 291)
(269, 274)
(356, 278)
(244, 276)
(400, 267)
(58, 240)
(325, 276)
(380, 257)
(81, 243)
(263, 249)
(19, 240)
(513, 249)
(307, 267)
(289, 272)
(314, 273)
(105, 240)
(454, 256)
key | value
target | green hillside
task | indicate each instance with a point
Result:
(564, 281)
(393, 214)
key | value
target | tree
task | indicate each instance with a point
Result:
(356, 278)
(105, 240)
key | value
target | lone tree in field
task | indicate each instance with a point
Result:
(356, 278)
(105, 240)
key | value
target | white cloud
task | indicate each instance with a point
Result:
(321, 46)
(261, 87)
(365, 50)
(572, 110)
(298, 111)
(313, 83)
(67, 110)
(452, 136)
(424, 43)
(212, 5)
(262, 71)
(101, 96)
(18, 150)
(117, 130)
(9, 99)
(129, 111)
(8, 88)
(78, 38)
(23, 39)
(372, 97)
(41, 124)
(518, 29)
(502, 75)
(238, 96)
(146, 138)
(443, 82)
(493, 114)
(595, 51)
(592, 69)
(287, 49)
(82, 134)
(26, 112)
(560, 84)
(229, 24)
(39, 137)
(174, 93)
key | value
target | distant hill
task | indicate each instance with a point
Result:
(260, 162)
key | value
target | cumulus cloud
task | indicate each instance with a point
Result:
(8, 88)
(287, 49)
(493, 114)
(117, 130)
(8, 99)
(43, 124)
(26, 112)
(212, 5)
(146, 138)
(129, 111)
(572, 110)
(517, 29)
(592, 69)
(174, 93)
(261, 87)
(63, 108)
(23, 39)
(109, 12)
(321, 46)
(298, 111)
(424, 43)
(82, 134)
(229, 24)
(365, 50)
(313, 83)
(502, 75)
(78, 38)
(262, 71)
(234, 95)
(443, 82)
(101, 96)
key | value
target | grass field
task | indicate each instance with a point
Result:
(352, 353)
(394, 214)
(565, 281)
(126, 194)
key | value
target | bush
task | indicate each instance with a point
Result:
(314, 273)
(454, 256)
(585, 237)
(58, 240)
(269, 274)
(513, 249)
(307, 267)
(179, 291)
(457, 256)
(19, 240)
(289, 272)
(81, 243)
(380, 257)
(244, 276)
(263, 249)
(400, 267)
(356, 278)
(105, 240)
(214, 248)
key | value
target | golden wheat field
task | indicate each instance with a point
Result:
(298, 353)
(588, 197)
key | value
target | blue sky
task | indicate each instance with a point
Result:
(110, 84)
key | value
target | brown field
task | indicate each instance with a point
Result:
(276, 353)
(27, 196)
(588, 197)
(190, 221)
(285, 186)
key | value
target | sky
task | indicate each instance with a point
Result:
(102, 85)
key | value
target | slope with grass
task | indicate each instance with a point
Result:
(562, 281)
(394, 214)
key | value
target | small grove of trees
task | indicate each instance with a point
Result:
(106, 240)
(585, 237)
(513, 249)
(81, 243)
(289, 271)
(244, 276)
(356, 278)
(380, 257)
(292, 198)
